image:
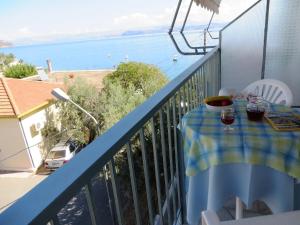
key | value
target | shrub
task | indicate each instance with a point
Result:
(20, 71)
(144, 77)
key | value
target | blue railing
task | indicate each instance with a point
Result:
(137, 164)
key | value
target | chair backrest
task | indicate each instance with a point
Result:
(274, 91)
(287, 218)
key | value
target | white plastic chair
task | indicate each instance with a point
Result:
(274, 91)
(288, 218)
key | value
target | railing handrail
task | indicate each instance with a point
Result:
(43, 202)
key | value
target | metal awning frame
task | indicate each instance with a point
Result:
(197, 50)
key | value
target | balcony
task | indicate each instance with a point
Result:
(147, 186)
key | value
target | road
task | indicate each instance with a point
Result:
(14, 185)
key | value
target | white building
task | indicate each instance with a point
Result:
(24, 108)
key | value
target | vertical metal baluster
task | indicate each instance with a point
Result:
(208, 79)
(110, 203)
(205, 78)
(193, 90)
(54, 221)
(208, 76)
(188, 92)
(176, 150)
(157, 173)
(213, 69)
(211, 78)
(184, 99)
(198, 87)
(181, 171)
(147, 178)
(90, 202)
(112, 170)
(202, 82)
(191, 93)
(133, 184)
(213, 74)
(163, 147)
(171, 157)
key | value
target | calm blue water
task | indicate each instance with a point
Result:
(107, 53)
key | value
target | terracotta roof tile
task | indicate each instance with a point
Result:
(20, 96)
(6, 107)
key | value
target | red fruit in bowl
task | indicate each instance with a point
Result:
(223, 102)
(226, 102)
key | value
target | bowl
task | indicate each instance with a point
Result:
(217, 103)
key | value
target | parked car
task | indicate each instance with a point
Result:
(61, 153)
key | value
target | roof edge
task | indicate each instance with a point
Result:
(35, 109)
(8, 117)
(10, 97)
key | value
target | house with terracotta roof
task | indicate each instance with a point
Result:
(24, 109)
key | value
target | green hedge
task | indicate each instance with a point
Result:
(20, 71)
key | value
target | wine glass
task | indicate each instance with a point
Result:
(227, 117)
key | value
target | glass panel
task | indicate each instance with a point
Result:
(242, 49)
(283, 49)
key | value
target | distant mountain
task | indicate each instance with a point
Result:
(165, 29)
(4, 44)
(48, 39)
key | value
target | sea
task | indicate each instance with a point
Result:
(108, 53)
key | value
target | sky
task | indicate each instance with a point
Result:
(45, 18)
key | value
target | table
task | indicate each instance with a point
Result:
(254, 162)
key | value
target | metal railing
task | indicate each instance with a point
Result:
(140, 157)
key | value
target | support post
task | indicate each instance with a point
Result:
(265, 40)
(204, 40)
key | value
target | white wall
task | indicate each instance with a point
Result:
(13, 152)
(36, 120)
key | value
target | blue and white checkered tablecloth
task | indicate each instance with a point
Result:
(206, 144)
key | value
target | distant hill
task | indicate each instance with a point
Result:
(4, 44)
(99, 35)
(165, 29)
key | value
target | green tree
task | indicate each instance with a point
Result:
(79, 125)
(117, 102)
(143, 77)
(5, 60)
(124, 89)
(20, 71)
